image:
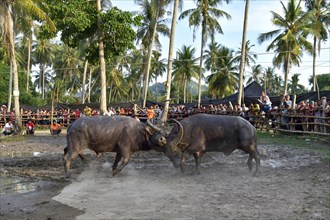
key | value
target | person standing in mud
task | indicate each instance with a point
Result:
(55, 128)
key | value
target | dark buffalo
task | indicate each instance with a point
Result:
(201, 133)
(120, 134)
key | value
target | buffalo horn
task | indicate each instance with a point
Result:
(153, 126)
(178, 139)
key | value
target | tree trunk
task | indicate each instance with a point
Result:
(43, 81)
(84, 82)
(201, 67)
(146, 82)
(243, 51)
(169, 63)
(103, 98)
(11, 47)
(89, 85)
(185, 91)
(10, 87)
(28, 66)
(286, 74)
(314, 65)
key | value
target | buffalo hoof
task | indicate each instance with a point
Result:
(116, 171)
(256, 174)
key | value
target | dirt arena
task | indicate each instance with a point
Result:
(294, 184)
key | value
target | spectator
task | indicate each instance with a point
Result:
(77, 113)
(266, 104)
(55, 128)
(87, 111)
(8, 128)
(287, 104)
(151, 113)
(109, 112)
(29, 127)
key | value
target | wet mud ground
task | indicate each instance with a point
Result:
(294, 184)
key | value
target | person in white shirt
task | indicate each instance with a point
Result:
(109, 112)
(8, 128)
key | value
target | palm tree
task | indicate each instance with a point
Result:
(153, 11)
(43, 55)
(185, 67)
(294, 86)
(319, 27)
(27, 26)
(212, 56)
(290, 39)
(250, 56)
(206, 15)
(103, 78)
(224, 79)
(158, 67)
(269, 84)
(118, 89)
(135, 60)
(243, 54)
(256, 74)
(7, 9)
(177, 4)
(277, 85)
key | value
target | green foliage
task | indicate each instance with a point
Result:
(28, 99)
(77, 20)
(4, 76)
(323, 81)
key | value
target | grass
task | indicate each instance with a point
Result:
(309, 142)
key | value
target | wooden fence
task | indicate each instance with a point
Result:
(274, 121)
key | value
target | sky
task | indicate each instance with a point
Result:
(259, 22)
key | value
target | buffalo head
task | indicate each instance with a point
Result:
(159, 140)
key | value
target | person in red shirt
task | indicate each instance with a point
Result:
(77, 113)
(29, 127)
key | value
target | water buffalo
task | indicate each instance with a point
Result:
(201, 133)
(121, 134)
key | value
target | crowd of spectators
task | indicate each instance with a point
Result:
(306, 115)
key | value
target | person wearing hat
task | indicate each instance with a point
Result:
(55, 128)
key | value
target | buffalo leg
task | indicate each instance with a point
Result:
(184, 157)
(254, 155)
(67, 160)
(197, 157)
(126, 157)
(257, 159)
(117, 159)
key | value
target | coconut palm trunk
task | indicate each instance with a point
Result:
(201, 67)
(28, 65)
(286, 75)
(84, 82)
(10, 87)
(240, 100)
(89, 85)
(314, 64)
(103, 98)
(147, 73)
(170, 61)
(11, 47)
